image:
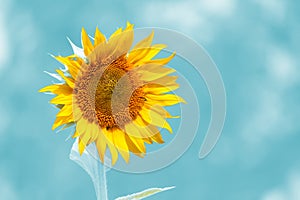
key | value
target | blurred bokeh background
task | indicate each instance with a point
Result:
(256, 46)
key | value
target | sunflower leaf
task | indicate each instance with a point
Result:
(144, 194)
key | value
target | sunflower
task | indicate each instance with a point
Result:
(114, 94)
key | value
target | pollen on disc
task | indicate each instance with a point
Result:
(96, 86)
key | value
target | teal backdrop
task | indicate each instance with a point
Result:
(255, 45)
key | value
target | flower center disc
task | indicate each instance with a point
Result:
(109, 94)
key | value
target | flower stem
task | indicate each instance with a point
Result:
(94, 167)
(100, 184)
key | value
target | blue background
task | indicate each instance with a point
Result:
(256, 47)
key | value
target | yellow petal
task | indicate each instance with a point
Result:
(81, 146)
(154, 118)
(86, 43)
(139, 131)
(62, 99)
(58, 89)
(65, 111)
(75, 135)
(148, 140)
(157, 138)
(76, 112)
(110, 144)
(117, 46)
(145, 43)
(140, 122)
(149, 129)
(62, 120)
(50, 88)
(99, 37)
(68, 80)
(121, 145)
(135, 144)
(165, 81)
(153, 72)
(120, 43)
(101, 146)
(159, 109)
(90, 132)
(155, 68)
(117, 32)
(95, 131)
(165, 99)
(83, 142)
(162, 61)
(58, 122)
(145, 54)
(84, 134)
(132, 145)
(152, 51)
(81, 126)
(139, 143)
(132, 130)
(72, 65)
(153, 88)
(129, 26)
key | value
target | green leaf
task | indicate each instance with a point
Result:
(144, 194)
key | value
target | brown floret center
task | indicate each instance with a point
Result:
(109, 94)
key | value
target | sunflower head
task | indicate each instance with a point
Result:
(114, 94)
